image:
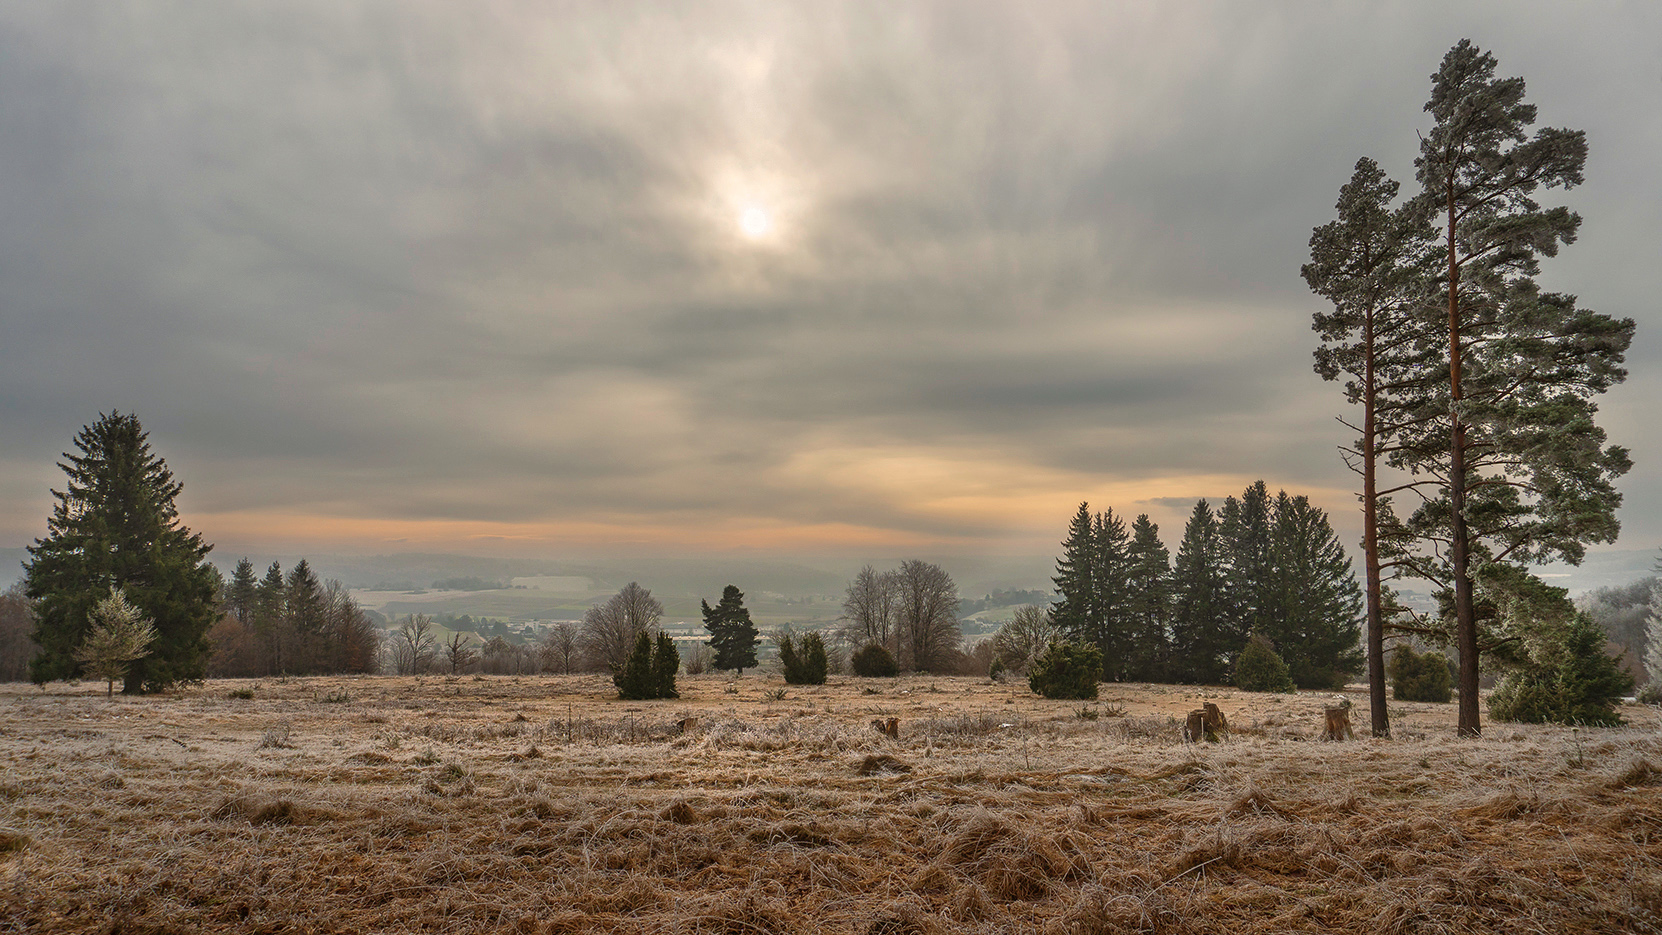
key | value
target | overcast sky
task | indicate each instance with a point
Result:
(553, 278)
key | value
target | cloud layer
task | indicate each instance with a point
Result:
(460, 274)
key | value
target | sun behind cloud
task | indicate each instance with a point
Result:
(755, 222)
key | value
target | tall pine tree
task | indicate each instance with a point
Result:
(1371, 264)
(1519, 471)
(115, 526)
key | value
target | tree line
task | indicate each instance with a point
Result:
(293, 625)
(1260, 565)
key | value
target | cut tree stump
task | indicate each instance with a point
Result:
(1206, 723)
(1338, 724)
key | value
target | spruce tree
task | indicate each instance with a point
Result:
(1250, 580)
(1148, 602)
(1516, 469)
(733, 637)
(666, 661)
(1653, 638)
(240, 596)
(115, 526)
(634, 679)
(271, 617)
(1112, 633)
(1075, 614)
(119, 634)
(1202, 638)
(1315, 608)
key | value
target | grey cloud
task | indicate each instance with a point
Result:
(455, 263)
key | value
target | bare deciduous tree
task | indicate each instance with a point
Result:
(610, 629)
(559, 648)
(17, 624)
(926, 619)
(459, 652)
(1024, 638)
(869, 610)
(414, 647)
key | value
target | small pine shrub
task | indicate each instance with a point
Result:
(873, 661)
(1420, 676)
(807, 665)
(1573, 681)
(1066, 670)
(634, 679)
(666, 660)
(1260, 669)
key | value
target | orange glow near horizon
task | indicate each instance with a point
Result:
(995, 512)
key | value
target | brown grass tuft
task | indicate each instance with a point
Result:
(882, 763)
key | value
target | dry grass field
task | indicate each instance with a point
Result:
(541, 804)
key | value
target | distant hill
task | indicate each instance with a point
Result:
(664, 576)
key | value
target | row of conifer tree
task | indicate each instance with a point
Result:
(1259, 565)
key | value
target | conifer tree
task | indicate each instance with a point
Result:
(1515, 468)
(634, 678)
(666, 661)
(1372, 265)
(120, 633)
(1315, 608)
(241, 594)
(1653, 637)
(733, 637)
(1245, 543)
(271, 617)
(1202, 638)
(1148, 602)
(115, 526)
(1112, 633)
(1075, 614)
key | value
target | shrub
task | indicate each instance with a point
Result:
(1260, 669)
(634, 679)
(872, 661)
(1570, 680)
(805, 666)
(1066, 670)
(1420, 676)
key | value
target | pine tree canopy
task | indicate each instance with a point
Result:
(115, 526)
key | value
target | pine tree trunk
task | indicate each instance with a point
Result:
(1377, 711)
(1459, 551)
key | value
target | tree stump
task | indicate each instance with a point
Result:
(1206, 723)
(1195, 730)
(888, 727)
(1216, 724)
(1338, 724)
